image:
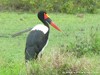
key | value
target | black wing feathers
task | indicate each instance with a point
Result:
(36, 40)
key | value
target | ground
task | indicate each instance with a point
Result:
(74, 50)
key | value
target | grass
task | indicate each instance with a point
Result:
(74, 51)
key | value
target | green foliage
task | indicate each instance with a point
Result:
(81, 6)
(87, 43)
(16, 5)
(65, 6)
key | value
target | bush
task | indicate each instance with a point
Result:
(81, 6)
(65, 6)
(16, 5)
(85, 44)
(58, 63)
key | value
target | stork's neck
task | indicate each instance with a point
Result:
(45, 23)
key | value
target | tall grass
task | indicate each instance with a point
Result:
(58, 63)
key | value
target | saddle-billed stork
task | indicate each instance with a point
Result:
(38, 36)
(37, 39)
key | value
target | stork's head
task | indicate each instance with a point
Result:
(43, 16)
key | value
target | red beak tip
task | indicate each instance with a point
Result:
(55, 26)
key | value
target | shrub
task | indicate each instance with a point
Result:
(86, 43)
(81, 6)
(65, 6)
(58, 63)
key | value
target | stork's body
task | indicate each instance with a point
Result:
(36, 41)
(38, 36)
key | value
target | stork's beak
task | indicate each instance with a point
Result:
(46, 17)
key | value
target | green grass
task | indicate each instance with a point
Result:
(75, 49)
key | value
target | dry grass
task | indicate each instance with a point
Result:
(58, 63)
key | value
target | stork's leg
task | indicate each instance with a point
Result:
(29, 68)
(40, 55)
